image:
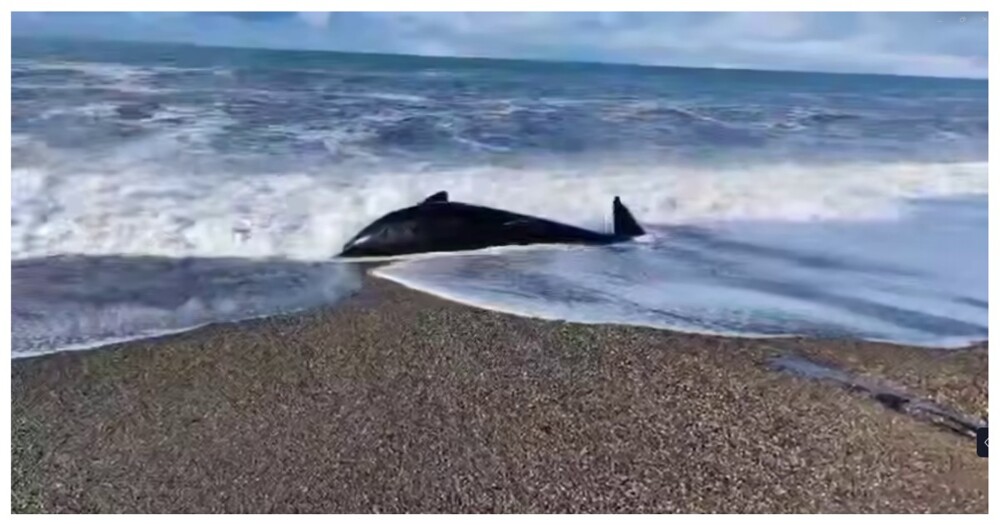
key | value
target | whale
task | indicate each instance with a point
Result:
(438, 224)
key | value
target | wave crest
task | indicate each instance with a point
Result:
(137, 210)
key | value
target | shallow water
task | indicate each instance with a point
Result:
(917, 280)
(780, 203)
(80, 302)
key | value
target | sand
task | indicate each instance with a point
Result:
(396, 401)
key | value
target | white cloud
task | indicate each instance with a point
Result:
(756, 25)
(935, 44)
(317, 19)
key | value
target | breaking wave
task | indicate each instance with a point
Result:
(138, 210)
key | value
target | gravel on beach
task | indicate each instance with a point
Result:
(397, 401)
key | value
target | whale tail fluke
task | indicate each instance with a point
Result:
(625, 223)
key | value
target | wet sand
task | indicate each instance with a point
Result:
(395, 401)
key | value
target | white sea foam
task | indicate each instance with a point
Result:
(130, 206)
(394, 97)
(75, 303)
(212, 168)
(97, 110)
(105, 70)
(885, 281)
(104, 75)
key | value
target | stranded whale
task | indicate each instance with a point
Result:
(439, 225)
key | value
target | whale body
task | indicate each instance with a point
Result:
(440, 225)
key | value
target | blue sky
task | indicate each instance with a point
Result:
(897, 43)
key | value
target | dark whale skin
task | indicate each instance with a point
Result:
(437, 225)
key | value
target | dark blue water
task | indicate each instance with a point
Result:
(150, 150)
(311, 107)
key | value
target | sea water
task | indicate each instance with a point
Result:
(160, 187)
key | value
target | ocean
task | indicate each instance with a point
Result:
(160, 187)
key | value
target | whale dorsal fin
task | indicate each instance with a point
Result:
(441, 196)
(625, 223)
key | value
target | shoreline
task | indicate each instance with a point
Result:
(397, 401)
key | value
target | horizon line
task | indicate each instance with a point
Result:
(482, 58)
